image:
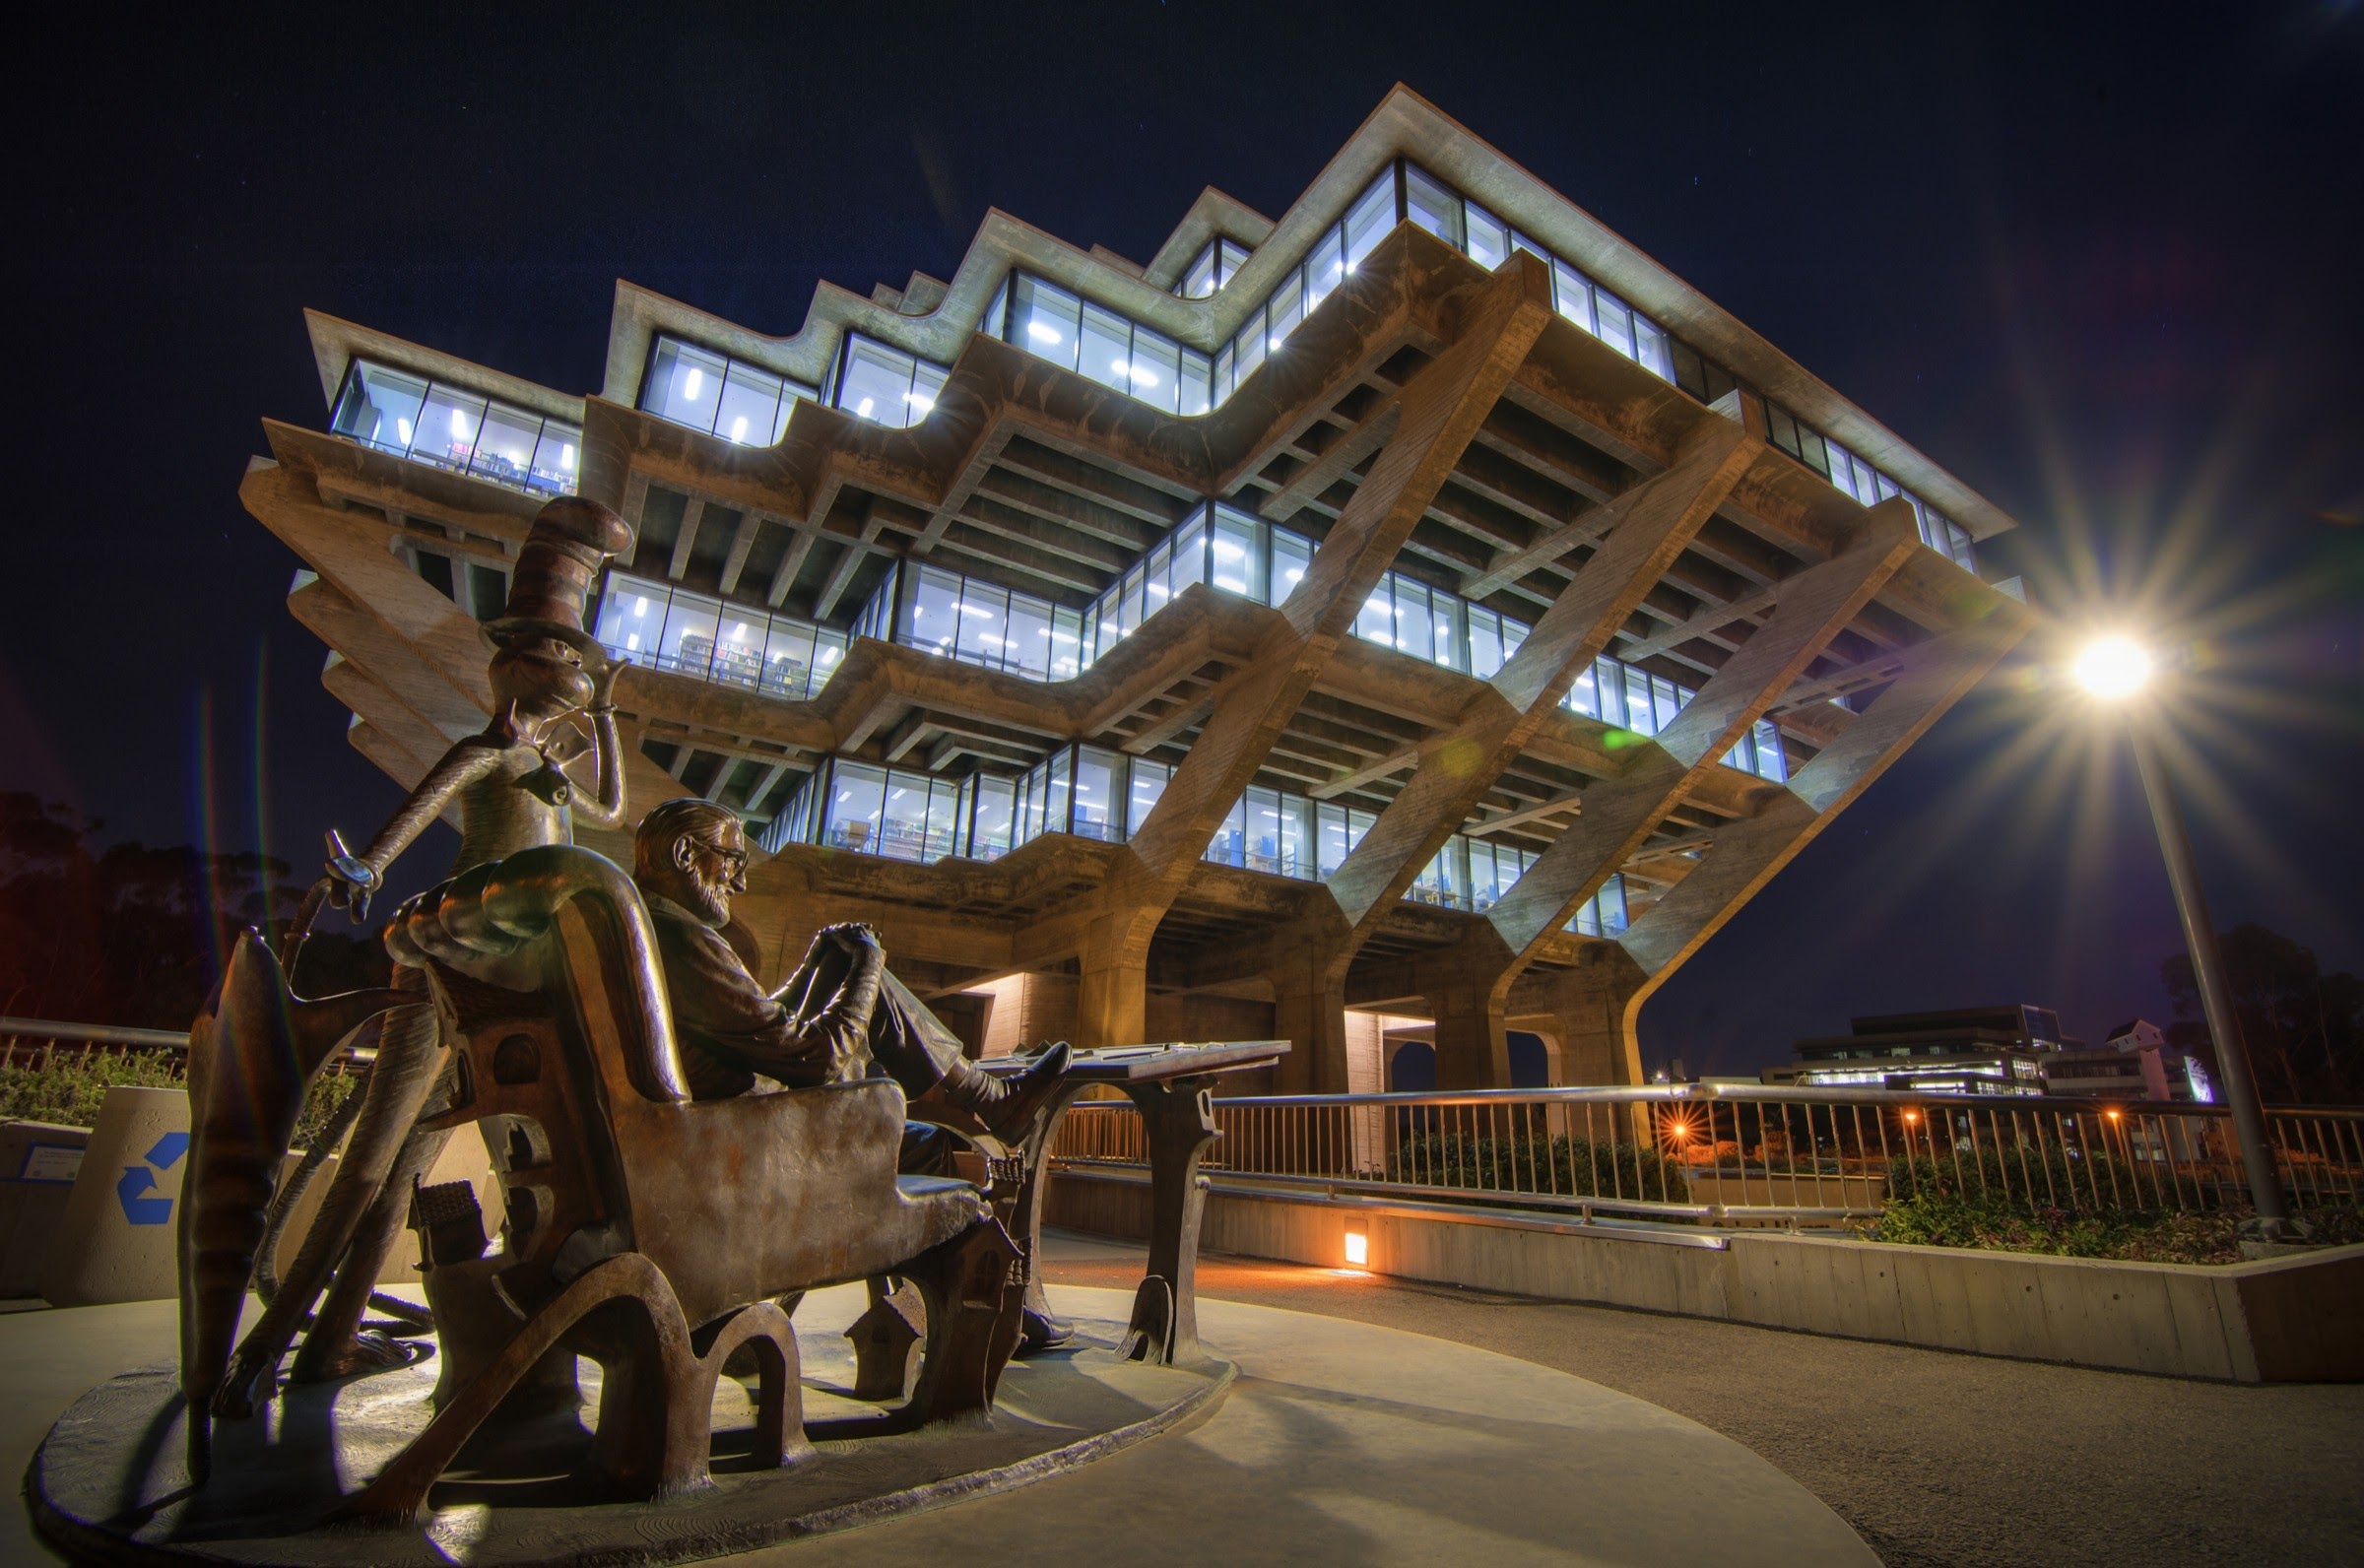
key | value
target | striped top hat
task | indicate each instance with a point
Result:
(571, 538)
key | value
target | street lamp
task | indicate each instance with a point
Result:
(2116, 670)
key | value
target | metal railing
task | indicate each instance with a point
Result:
(1719, 1154)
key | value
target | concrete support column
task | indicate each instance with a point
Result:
(1309, 995)
(1473, 1043)
(1112, 998)
(1594, 1009)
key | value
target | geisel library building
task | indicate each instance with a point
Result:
(1420, 615)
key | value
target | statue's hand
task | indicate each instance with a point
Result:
(351, 882)
(603, 687)
(853, 935)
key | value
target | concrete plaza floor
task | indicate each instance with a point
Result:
(1935, 1459)
(1341, 1442)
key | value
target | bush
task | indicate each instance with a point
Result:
(68, 1090)
(1928, 1205)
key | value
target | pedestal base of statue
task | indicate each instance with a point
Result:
(110, 1484)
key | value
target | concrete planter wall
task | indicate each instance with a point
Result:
(2296, 1319)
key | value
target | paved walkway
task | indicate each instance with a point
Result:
(1341, 1442)
(1935, 1459)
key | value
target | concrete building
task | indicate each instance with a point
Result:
(2003, 1049)
(1420, 605)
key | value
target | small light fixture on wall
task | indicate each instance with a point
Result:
(1358, 1249)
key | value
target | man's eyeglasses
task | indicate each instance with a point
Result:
(736, 859)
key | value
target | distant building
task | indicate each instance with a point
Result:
(2135, 1063)
(2009, 1048)
(2000, 1049)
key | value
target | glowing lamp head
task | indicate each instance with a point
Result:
(1910, 1116)
(2113, 668)
(1358, 1249)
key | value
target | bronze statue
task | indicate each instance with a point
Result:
(513, 793)
(837, 1016)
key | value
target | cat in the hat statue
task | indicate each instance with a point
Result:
(513, 791)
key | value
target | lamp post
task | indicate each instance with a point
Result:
(2116, 670)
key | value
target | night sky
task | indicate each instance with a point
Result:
(2103, 263)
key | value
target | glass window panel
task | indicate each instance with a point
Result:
(993, 810)
(1781, 427)
(1155, 369)
(1296, 836)
(1415, 632)
(877, 384)
(737, 648)
(1190, 553)
(1238, 563)
(1613, 905)
(1367, 222)
(1292, 553)
(1882, 487)
(1197, 389)
(1572, 293)
(1146, 785)
(685, 383)
(380, 408)
(632, 615)
(1263, 826)
(1099, 811)
(1667, 698)
(1812, 451)
(1640, 711)
(791, 392)
(927, 381)
(1231, 255)
(1616, 323)
(448, 422)
(983, 637)
(788, 660)
(1742, 754)
(1485, 642)
(1046, 319)
(688, 644)
(554, 457)
(934, 610)
(997, 314)
(1282, 312)
(504, 444)
(1445, 623)
(1612, 690)
(1588, 919)
(750, 407)
(1055, 793)
(943, 818)
(903, 817)
(1330, 838)
(1199, 282)
(1434, 208)
(1488, 238)
(1226, 374)
(1325, 268)
(1029, 645)
(1160, 587)
(1377, 621)
(1067, 644)
(1650, 347)
(1770, 761)
(1106, 348)
(856, 796)
(1585, 696)
(1250, 342)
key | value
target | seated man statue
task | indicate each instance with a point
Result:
(840, 1016)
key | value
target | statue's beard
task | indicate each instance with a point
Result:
(713, 898)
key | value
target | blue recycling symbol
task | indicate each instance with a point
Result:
(137, 1180)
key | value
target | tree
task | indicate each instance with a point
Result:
(2303, 1028)
(130, 935)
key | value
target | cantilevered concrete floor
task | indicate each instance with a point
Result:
(1343, 1442)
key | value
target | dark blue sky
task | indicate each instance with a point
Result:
(2100, 261)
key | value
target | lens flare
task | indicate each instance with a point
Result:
(2114, 667)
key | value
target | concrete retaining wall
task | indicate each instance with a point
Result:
(2296, 1319)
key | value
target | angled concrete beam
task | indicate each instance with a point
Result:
(750, 525)
(1707, 621)
(1512, 564)
(783, 576)
(1656, 519)
(1748, 853)
(1621, 812)
(843, 573)
(1372, 432)
(693, 515)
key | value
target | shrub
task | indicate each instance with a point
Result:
(1571, 1167)
(68, 1090)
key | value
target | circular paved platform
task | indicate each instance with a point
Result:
(1339, 1442)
